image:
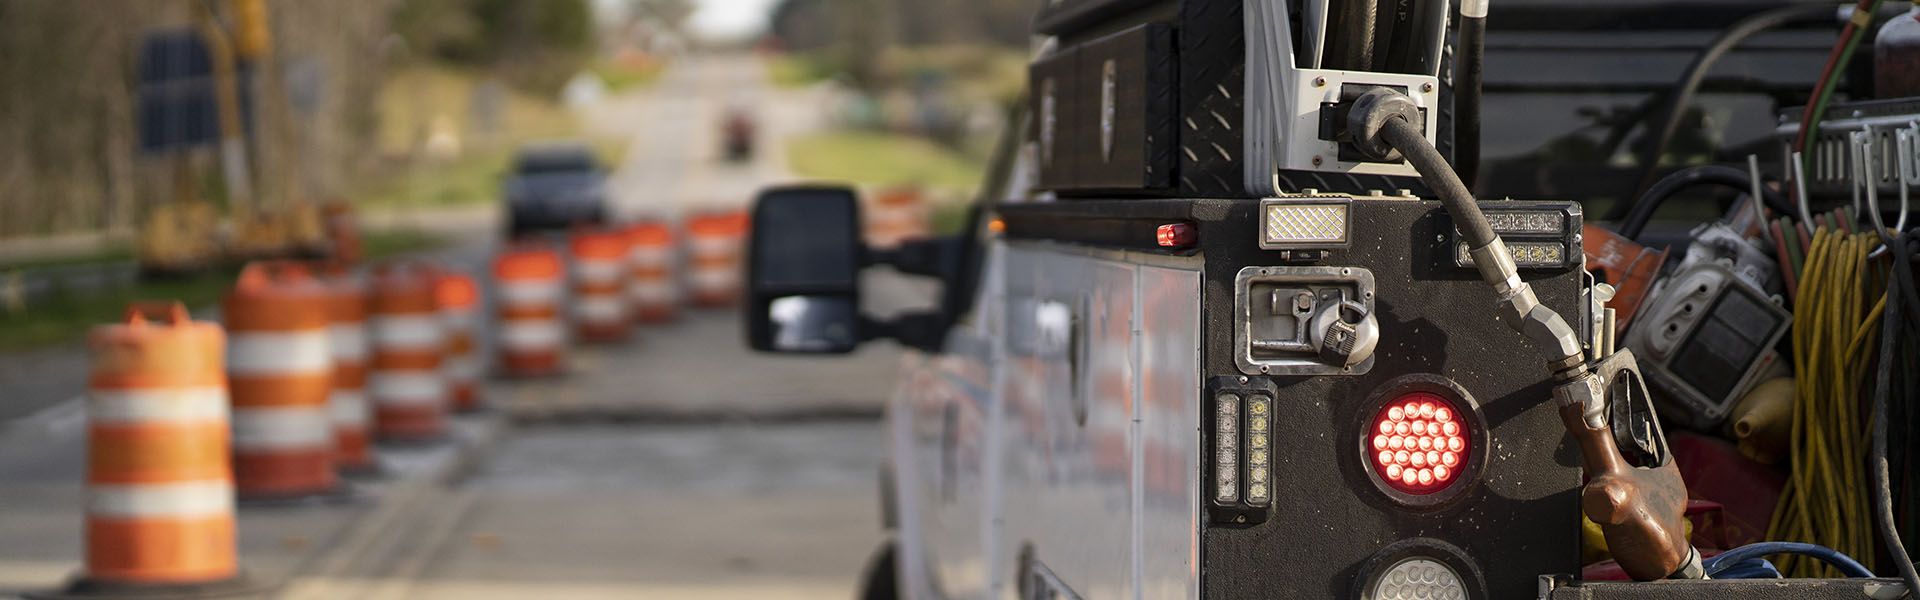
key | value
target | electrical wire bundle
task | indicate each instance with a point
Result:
(1825, 500)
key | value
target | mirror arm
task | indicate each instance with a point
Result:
(920, 330)
(932, 257)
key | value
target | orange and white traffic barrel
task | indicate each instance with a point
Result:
(653, 292)
(599, 286)
(159, 482)
(347, 342)
(408, 388)
(458, 297)
(279, 375)
(529, 290)
(895, 216)
(715, 243)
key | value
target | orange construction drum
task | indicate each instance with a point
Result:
(653, 289)
(159, 484)
(408, 388)
(599, 286)
(458, 296)
(529, 288)
(347, 342)
(279, 373)
(715, 243)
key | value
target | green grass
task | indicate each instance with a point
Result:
(622, 76)
(115, 252)
(67, 316)
(798, 70)
(871, 159)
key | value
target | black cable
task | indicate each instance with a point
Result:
(1890, 331)
(1643, 209)
(1690, 80)
(1459, 201)
(1466, 99)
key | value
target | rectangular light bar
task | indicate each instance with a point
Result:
(1289, 223)
(1525, 254)
(1226, 444)
(1259, 462)
(1528, 222)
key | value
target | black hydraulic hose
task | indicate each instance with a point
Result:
(1643, 209)
(1683, 90)
(1433, 168)
(1466, 99)
(1890, 333)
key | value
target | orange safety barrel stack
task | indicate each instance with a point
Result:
(529, 286)
(347, 342)
(715, 243)
(599, 286)
(653, 291)
(895, 216)
(159, 485)
(279, 375)
(408, 388)
(458, 297)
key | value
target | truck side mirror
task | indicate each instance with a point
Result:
(803, 268)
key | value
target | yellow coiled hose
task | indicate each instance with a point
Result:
(1834, 329)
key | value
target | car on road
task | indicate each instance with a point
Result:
(554, 185)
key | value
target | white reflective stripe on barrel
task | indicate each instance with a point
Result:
(278, 352)
(282, 428)
(460, 319)
(709, 245)
(650, 292)
(142, 406)
(210, 498)
(599, 271)
(463, 368)
(601, 309)
(347, 342)
(530, 293)
(405, 389)
(348, 409)
(408, 332)
(714, 278)
(531, 335)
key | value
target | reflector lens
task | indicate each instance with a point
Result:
(1419, 443)
(1174, 235)
(1419, 579)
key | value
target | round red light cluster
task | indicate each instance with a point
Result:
(1419, 443)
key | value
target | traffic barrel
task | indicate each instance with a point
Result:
(458, 297)
(599, 286)
(895, 216)
(653, 293)
(347, 342)
(529, 289)
(279, 376)
(159, 510)
(715, 242)
(408, 388)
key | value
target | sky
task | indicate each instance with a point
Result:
(722, 19)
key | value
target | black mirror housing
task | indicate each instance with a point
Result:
(803, 271)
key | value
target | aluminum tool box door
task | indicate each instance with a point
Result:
(1078, 453)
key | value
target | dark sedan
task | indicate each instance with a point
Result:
(554, 186)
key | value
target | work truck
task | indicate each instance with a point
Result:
(1226, 322)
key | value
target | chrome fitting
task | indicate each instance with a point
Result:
(1495, 264)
